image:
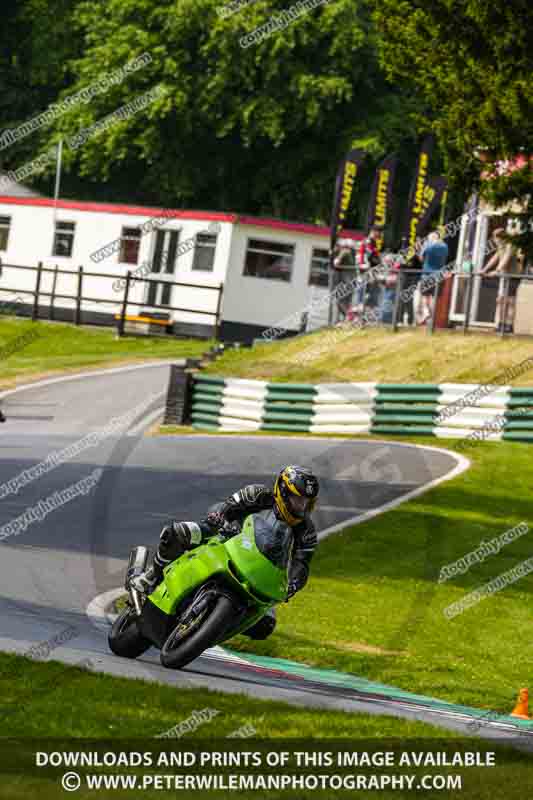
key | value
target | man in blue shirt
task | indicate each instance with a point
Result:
(435, 256)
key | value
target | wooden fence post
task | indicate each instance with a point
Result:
(219, 306)
(35, 311)
(78, 296)
(124, 304)
(53, 294)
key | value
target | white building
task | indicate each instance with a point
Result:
(473, 252)
(269, 269)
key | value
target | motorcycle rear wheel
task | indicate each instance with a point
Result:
(183, 646)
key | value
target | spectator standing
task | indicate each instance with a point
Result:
(392, 263)
(408, 283)
(344, 273)
(434, 258)
(368, 258)
(503, 261)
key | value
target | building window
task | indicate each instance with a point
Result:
(319, 274)
(269, 260)
(204, 252)
(130, 242)
(64, 239)
(5, 223)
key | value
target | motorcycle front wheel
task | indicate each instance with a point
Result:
(187, 642)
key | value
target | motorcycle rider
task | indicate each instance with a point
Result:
(292, 498)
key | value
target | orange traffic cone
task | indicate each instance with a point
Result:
(522, 706)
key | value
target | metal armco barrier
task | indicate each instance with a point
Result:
(448, 410)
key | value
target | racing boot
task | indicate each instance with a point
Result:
(148, 581)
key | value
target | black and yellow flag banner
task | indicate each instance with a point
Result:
(381, 196)
(348, 172)
(421, 195)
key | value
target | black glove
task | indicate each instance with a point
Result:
(216, 520)
(230, 529)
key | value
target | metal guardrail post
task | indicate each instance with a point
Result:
(35, 310)
(330, 294)
(397, 300)
(468, 301)
(431, 327)
(503, 313)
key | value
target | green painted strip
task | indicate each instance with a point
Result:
(301, 388)
(273, 416)
(515, 402)
(272, 397)
(518, 415)
(214, 379)
(211, 419)
(274, 426)
(519, 391)
(424, 408)
(288, 408)
(403, 418)
(519, 426)
(204, 427)
(202, 397)
(206, 388)
(403, 429)
(412, 387)
(201, 408)
(517, 437)
(406, 397)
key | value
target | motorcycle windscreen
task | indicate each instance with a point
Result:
(261, 553)
(274, 539)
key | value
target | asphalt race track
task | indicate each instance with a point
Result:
(53, 570)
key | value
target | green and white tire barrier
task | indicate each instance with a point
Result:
(447, 410)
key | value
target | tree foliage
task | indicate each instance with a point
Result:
(258, 129)
(469, 64)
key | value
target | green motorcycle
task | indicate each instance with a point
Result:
(209, 594)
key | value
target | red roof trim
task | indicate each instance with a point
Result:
(299, 227)
(117, 208)
(149, 211)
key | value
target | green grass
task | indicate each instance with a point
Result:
(374, 607)
(62, 707)
(72, 702)
(378, 354)
(61, 348)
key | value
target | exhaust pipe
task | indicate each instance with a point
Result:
(136, 565)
